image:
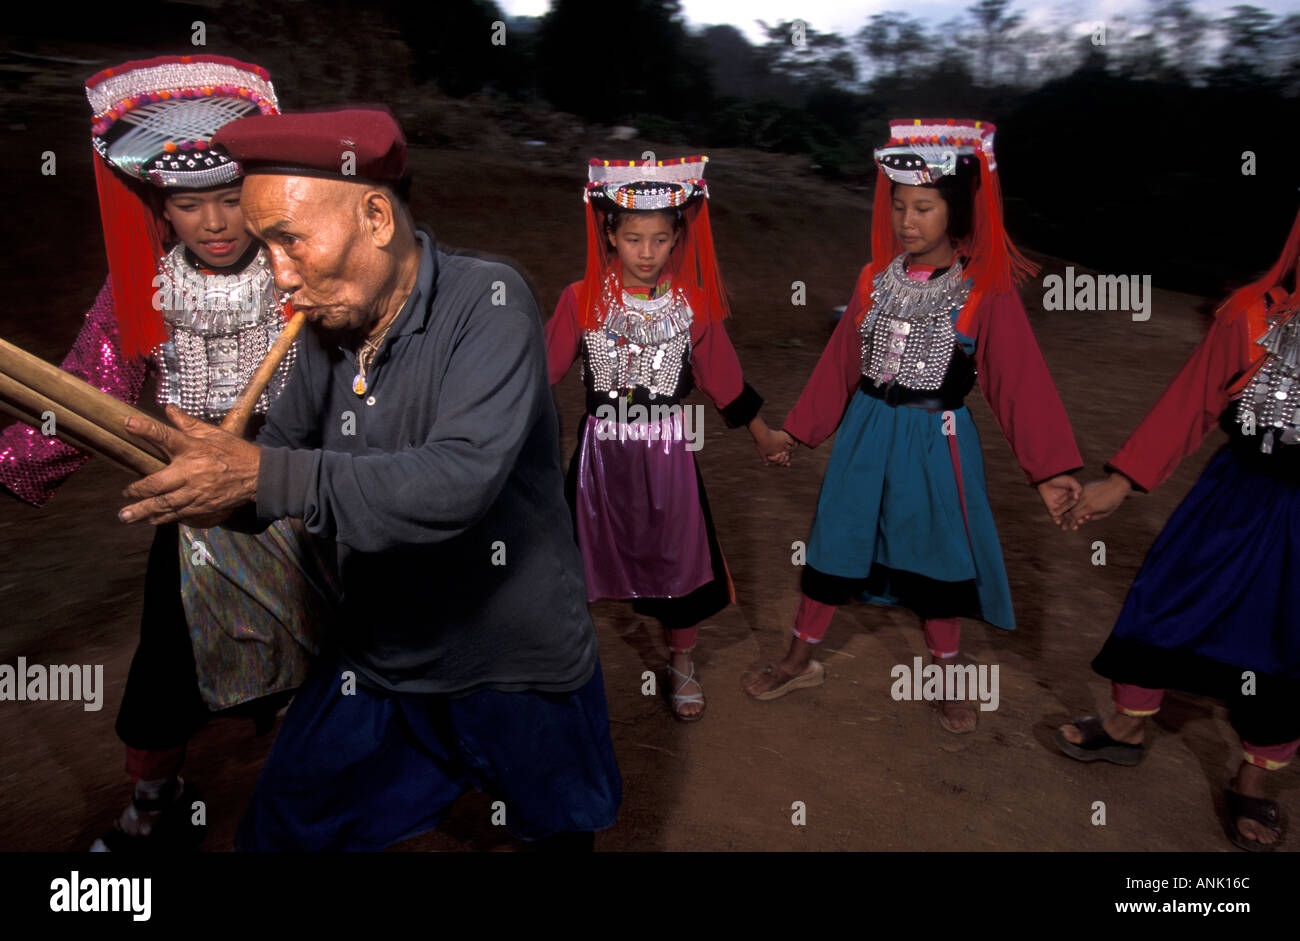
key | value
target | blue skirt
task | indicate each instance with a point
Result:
(1217, 596)
(890, 498)
(1223, 578)
(366, 769)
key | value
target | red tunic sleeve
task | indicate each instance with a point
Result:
(33, 465)
(563, 335)
(714, 363)
(715, 368)
(1018, 387)
(1187, 409)
(826, 395)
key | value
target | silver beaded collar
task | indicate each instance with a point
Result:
(216, 304)
(908, 337)
(647, 323)
(639, 344)
(219, 329)
(894, 294)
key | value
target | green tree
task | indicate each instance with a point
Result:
(895, 43)
(809, 58)
(995, 22)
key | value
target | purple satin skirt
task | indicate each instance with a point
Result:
(640, 524)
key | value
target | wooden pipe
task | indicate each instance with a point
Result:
(236, 419)
(30, 406)
(75, 403)
(93, 421)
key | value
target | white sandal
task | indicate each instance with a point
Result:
(676, 698)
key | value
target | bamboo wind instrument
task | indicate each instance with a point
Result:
(84, 417)
(94, 421)
(236, 419)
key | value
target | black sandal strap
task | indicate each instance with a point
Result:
(1096, 737)
(1259, 809)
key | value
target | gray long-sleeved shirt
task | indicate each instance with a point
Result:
(442, 485)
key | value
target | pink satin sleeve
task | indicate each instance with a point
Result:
(33, 465)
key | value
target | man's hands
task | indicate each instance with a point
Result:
(1100, 499)
(211, 472)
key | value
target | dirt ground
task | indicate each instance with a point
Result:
(872, 773)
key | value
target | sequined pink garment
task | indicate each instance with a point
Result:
(33, 465)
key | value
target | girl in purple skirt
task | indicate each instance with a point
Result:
(647, 322)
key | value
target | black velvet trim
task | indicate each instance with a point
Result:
(928, 597)
(1270, 716)
(743, 409)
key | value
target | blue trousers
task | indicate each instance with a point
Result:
(364, 770)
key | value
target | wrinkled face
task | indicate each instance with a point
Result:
(644, 241)
(921, 221)
(210, 223)
(321, 248)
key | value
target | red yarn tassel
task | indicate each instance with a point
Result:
(133, 240)
(996, 265)
(699, 263)
(597, 269)
(885, 246)
(1245, 303)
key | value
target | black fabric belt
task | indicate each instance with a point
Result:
(1283, 461)
(897, 395)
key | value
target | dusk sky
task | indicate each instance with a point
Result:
(847, 18)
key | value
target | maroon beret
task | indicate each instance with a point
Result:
(353, 143)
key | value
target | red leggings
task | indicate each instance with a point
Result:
(1140, 702)
(680, 639)
(942, 635)
(143, 765)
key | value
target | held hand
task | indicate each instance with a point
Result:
(211, 472)
(776, 447)
(1059, 494)
(1100, 499)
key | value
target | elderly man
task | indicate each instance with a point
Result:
(419, 433)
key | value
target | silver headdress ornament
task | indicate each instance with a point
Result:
(921, 151)
(661, 184)
(1270, 405)
(154, 119)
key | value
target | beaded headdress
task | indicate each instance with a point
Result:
(153, 119)
(661, 185)
(614, 185)
(152, 125)
(921, 151)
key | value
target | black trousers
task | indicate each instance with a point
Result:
(161, 705)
